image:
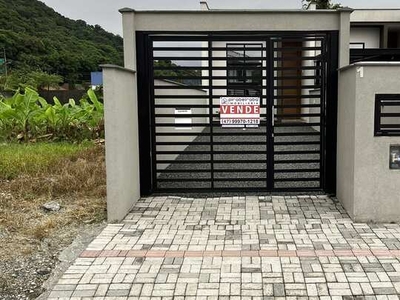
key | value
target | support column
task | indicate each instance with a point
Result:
(129, 34)
(344, 37)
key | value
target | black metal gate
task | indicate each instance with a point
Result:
(181, 78)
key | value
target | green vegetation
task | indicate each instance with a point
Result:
(35, 79)
(170, 70)
(28, 117)
(322, 4)
(38, 38)
(34, 159)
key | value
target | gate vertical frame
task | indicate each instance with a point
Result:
(270, 104)
(331, 114)
(211, 106)
(323, 104)
(153, 114)
(144, 114)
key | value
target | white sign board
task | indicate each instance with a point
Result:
(183, 120)
(239, 111)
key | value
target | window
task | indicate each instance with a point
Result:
(244, 62)
(387, 115)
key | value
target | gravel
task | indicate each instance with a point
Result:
(22, 278)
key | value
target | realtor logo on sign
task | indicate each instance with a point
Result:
(239, 111)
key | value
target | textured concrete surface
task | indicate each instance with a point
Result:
(303, 247)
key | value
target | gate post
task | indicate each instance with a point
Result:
(122, 141)
(344, 36)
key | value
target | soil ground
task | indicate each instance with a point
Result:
(32, 238)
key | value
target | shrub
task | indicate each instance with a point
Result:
(28, 117)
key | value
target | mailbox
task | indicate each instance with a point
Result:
(394, 157)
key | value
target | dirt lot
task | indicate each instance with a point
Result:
(32, 237)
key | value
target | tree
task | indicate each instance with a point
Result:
(37, 38)
(322, 4)
(35, 79)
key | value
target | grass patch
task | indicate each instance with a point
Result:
(32, 159)
(31, 175)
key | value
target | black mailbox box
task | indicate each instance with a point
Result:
(394, 158)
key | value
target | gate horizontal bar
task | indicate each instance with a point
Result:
(208, 180)
(208, 58)
(218, 106)
(277, 134)
(237, 86)
(183, 180)
(297, 171)
(297, 48)
(234, 38)
(215, 161)
(247, 133)
(217, 190)
(296, 179)
(287, 97)
(298, 58)
(209, 171)
(208, 143)
(297, 152)
(213, 152)
(296, 124)
(296, 143)
(298, 106)
(296, 115)
(297, 68)
(297, 161)
(390, 115)
(205, 49)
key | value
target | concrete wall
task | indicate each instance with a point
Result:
(368, 189)
(122, 141)
(236, 20)
(345, 141)
(368, 35)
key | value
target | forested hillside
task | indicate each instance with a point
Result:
(38, 38)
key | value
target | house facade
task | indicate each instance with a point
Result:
(260, 101)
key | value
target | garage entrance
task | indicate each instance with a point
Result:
(188, 145)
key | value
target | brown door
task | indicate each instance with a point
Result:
(292, 95)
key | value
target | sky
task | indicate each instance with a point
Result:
(105, 12)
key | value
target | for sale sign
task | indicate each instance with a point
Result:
(239, 111)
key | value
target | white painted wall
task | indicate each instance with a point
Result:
(368, 189)
(368, 35)
(122, 141)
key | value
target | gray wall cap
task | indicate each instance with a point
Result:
(236, 11)
(126, 10)
(376, 9)
(371, 64)
(115, 67)
(345, 9)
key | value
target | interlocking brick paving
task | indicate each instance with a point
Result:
(294, 247)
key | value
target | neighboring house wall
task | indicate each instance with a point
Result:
(370, 36)
(188, 102)
(375, 15)
(368, 189)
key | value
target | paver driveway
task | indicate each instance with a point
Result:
(237, 248)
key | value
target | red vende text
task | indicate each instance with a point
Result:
(240, 109)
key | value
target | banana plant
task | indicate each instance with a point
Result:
(28, 115)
